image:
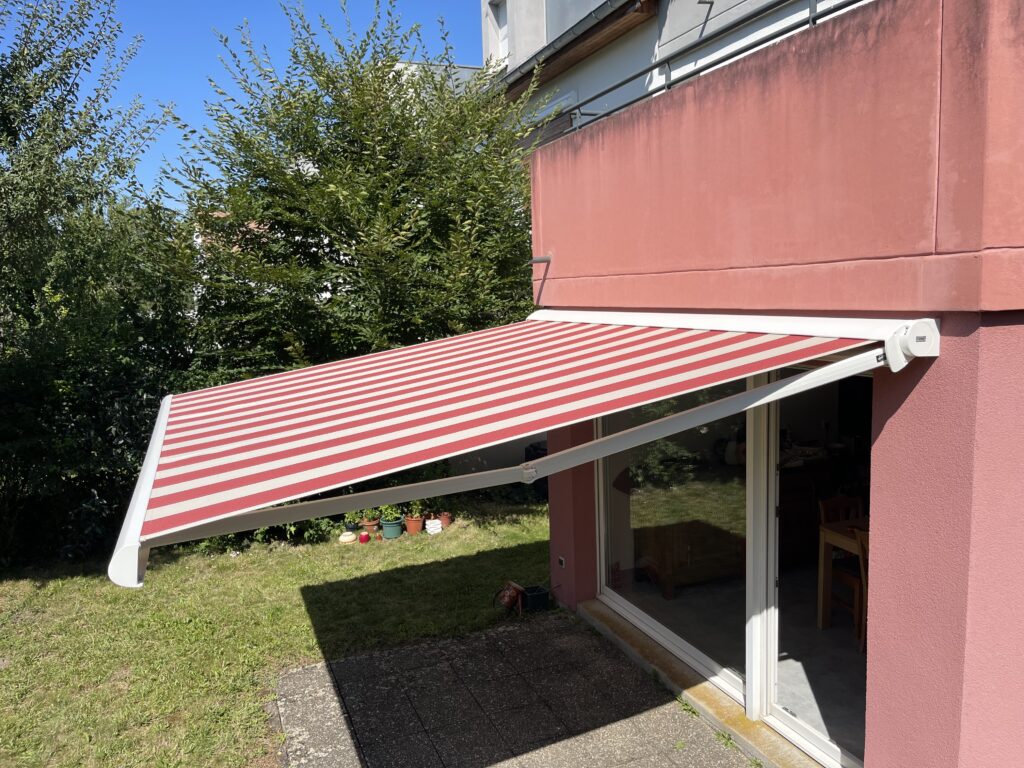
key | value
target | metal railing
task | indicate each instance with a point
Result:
(666, 61)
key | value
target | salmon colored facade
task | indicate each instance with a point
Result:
(871, 166)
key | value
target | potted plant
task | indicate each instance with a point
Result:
(391, 518)
(414, 517)
(353, 519)
(371, 519)
(445, 518)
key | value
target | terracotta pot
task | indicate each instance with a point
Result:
(413, 525)
(445, 518)
(370, 526)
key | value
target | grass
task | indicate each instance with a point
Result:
(687, 707)
(178, 672)
(725, 739)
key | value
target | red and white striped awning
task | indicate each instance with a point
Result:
(244, 446)
(240, 447)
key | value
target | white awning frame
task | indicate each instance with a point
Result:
(903, 340)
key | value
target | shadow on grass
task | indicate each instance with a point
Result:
(51, 569)
(436, 599)
(477, 698)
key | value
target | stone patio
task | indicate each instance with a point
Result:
(548, 691)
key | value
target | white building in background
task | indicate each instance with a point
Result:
(587, 46)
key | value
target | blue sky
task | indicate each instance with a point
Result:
(180, 51)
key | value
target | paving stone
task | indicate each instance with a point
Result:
(318, 735)
(473, 744)
(360, 668)
(455, 705)
(568, 753)
(580, 716)
(305, 680)
(359, 690)
(706, 753)
(486, 664)
(553, 684)
(615, 743)
(502, 693)
(533, 724)
(545, 691)
(403, 751)
(372, 718)
(656, 761)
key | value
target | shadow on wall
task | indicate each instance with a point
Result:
(472, 699)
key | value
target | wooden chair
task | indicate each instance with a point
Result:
(862, 545)
(847, 569)
(840, 508)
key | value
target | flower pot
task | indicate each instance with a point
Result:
(413, 525)
(364, 538)
(352, 527)
(446, 519)
(392, 528)
(370, 526)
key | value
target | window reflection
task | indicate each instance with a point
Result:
(675, 517)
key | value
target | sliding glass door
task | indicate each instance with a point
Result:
(709, 542)
(674, 523)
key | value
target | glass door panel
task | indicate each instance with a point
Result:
(823, 464)
(675, 527)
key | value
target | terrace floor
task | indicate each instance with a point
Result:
(547, 691)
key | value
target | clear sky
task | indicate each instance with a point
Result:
(180, 50)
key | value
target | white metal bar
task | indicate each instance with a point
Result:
(128, 563)
(872, 329)
(338, 505)
(756, 568)
(703, 414)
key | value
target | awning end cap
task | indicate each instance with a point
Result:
(128, 565)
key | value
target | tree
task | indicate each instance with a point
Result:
(352, 200)
(96, 281)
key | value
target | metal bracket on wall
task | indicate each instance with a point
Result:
(546, 261)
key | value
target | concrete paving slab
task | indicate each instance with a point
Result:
(546, 691)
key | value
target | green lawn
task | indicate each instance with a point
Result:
(177, 673)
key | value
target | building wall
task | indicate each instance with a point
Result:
(572, 500)
(869, 163)
(945, 626)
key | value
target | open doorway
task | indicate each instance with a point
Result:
(824, 450)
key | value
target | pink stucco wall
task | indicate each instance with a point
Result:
(571, 497)
(945, 612)
(992, 731)
(871, 163)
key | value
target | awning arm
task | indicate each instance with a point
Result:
(528, 472)
(128, 564)
(704, 414)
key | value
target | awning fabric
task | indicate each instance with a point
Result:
(253, 444)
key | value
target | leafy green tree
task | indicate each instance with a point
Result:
(96, 282)
(350, 201)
